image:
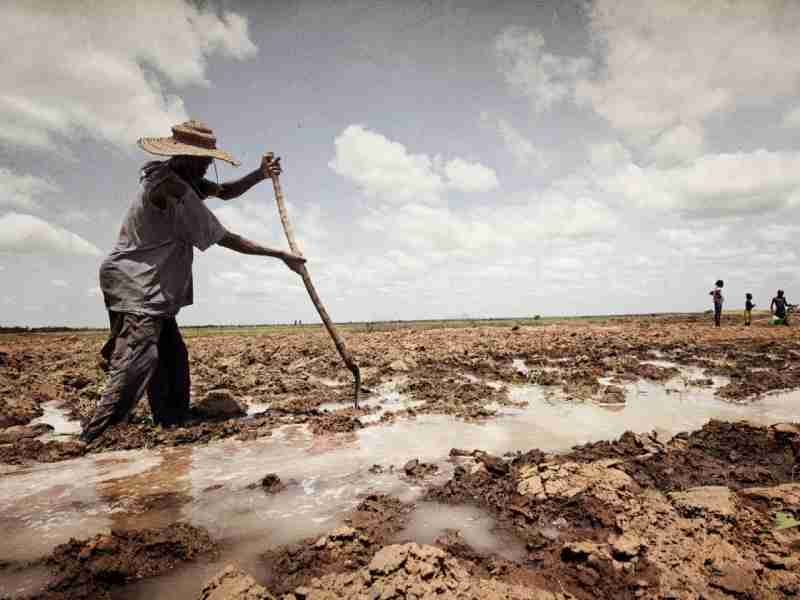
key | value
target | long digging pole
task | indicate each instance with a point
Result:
(326, 319)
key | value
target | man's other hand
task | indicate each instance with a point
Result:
(270, 165)
(294, 262)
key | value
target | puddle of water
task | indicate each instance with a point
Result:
(386, 399)
(550, 423)
(24, 582)
(520, 367)
(187, 580)
(255, 408)
(58, 420)
(687, 373)
(44, 505)
(496, 385)
(664, 364)
(431, 520)
(326, 381)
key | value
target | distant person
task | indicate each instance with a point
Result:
(748, 309)
(778, 307)
(147, 278)
(718, 300)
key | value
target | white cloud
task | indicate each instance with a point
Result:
(678, 145)
(252, 220)
(608, 155)
(671, 62)
(261, 223)
(715, 184)
(685, 238)
(22, 234)
(470, 177)
(59, 283)
(544, 78)
(792, 118)
(97, 68)
(77, 215)
(554, 216)
(386, 171)
(779, 233)
(256, 279)
(470, 233)
(525, 153)
(21, 191)
(433, 228)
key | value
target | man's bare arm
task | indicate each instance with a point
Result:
(237, 243)
(233, 189)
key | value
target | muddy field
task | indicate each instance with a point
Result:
(575, 459)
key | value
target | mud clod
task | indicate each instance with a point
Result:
(90, 568)
(370, 524)
(272, 484)
(234, 584)
(219, 404)
(416, 469)
(414, 571)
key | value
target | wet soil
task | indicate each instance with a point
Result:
(638, 517)
(641, 516)
(459, 372)
(92, 568)
(350, 547)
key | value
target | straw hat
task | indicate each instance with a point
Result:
(192, 138)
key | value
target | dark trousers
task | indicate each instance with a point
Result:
(717, 314)
(145, 353)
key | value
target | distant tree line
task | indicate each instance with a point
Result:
(48, 329)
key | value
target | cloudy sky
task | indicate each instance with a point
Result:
(442, 158)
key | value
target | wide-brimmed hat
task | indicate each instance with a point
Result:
(192, 138)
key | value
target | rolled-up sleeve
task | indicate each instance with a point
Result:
(201, 226)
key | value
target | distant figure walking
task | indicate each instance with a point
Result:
(718, 300)
(778, 308)
(748, 309)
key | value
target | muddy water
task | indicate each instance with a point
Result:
(58, 420)
(43, 505)
(24, 582)
(475, 527)
(386, 399)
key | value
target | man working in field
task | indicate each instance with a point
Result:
(147, 278)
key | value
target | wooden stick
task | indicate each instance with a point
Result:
(337, 340)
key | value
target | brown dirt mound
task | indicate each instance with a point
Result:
(721, 453)
(638, 517)
(18, 411)
(414, 571)
(340, 421)
(454, 396)
(89, 569)
(31, 450)
(370, 524)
